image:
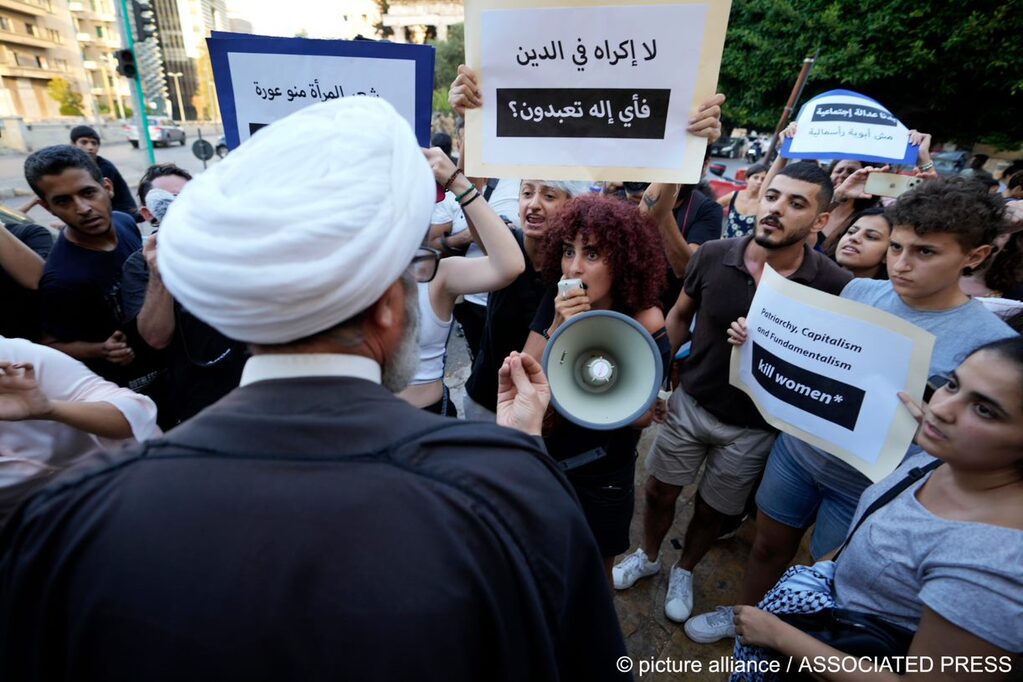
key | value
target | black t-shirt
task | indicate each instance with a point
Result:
(79, 291)
(202, 365)
(699, 219)
(20, 316)
(123, 200)
(509, 312)
(722, 288)
(568, 438)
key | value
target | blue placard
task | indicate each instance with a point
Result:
(418, 107)
(841, 124)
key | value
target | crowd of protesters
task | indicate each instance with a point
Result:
(211, 345)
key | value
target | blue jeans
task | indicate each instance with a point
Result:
(810, 487)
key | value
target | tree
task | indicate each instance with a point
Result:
(67, 96)
(951, 69)
(450, 53)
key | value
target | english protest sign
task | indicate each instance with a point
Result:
(840, 124)
(828, 371)
(591, 89)
(260, 79)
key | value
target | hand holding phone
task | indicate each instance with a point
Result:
(890, 184)
(567, 285)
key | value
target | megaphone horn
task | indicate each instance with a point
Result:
(604, 370)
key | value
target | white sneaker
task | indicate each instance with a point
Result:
(710, 627)
(678, 604)
(632, 568)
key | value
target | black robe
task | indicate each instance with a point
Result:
(308, 529)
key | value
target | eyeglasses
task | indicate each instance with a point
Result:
(424, 264)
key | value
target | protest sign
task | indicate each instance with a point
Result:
(828, 370)
(261, 79)
(591, 89)
(840, 124)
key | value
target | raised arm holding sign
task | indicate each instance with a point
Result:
(596, 89)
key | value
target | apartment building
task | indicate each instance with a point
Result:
(99, 37)
(37, 44)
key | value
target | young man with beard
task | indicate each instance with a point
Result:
(80, 308)
(943, 228)
(710, 422)
(311, 524)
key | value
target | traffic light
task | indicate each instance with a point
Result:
(145, 20)
(126, 63)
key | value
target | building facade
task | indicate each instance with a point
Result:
(413, 21)
(38, 43)
(98, 35)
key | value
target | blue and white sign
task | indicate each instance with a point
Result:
(840, 124)
(261, 79)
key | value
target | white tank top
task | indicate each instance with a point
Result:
(433, 340)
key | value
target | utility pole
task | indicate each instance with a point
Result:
(140, 98)
(177, 86)
(797, 92)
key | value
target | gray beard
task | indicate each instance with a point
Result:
(401, 368)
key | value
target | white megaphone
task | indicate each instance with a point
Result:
(604, 370)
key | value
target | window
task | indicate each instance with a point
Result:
(55, 36)
(31, 29)
(99, 31)
(61, 64)
(41, 62)
(5, 24)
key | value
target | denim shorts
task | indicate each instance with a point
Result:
(810, 488)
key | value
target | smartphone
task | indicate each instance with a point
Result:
(890, 184)
(566, 285)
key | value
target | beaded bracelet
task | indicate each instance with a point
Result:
(926, 167)
(474, 198)
(465, 193)
(447, 185)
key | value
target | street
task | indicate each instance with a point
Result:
(132, 163)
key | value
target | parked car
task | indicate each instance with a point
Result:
(722, 184)
(950, 163)
(162, 131)
(728, 147)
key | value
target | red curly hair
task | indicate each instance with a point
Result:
(627, 240)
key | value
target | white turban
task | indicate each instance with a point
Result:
(303, 226)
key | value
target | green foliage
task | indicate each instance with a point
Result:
(67, 96)
(950, 68)
(450, 53)
(440, 101)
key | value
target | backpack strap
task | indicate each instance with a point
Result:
(912, 476)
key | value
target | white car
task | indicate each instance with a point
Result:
(162, 131)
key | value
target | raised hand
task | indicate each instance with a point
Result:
(464, 92)
(523, 394)
(20, 396)
(707, 120)
(737, 332)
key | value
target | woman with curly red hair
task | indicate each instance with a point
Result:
(616, 253)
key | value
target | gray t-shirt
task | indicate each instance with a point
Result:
(957, 331)
(904, 557)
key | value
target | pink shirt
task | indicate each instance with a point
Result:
(28, 448)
